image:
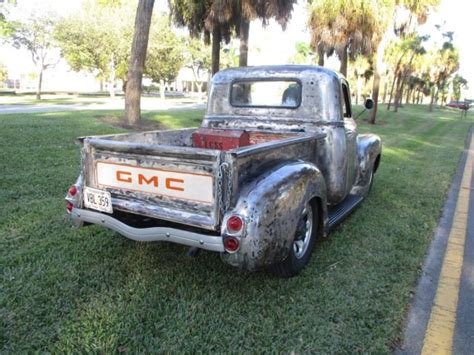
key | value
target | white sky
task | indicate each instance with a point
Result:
(272, 45)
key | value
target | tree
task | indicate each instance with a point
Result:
(458, 84)
(417, 14)
(359, 75)
(137, 61)
(35, 34)
(347, 27)
(197, 58)
(165, 54)
(304, 54)
(193, 15)
(229, 56)
(98, 40)
(3, 74)
(223, 18)
(445, 62)
(238, 14)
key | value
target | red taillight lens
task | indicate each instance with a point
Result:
(69, 206)
(72, 190)
(234, 224)
(231, 244)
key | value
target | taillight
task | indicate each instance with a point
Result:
(231, 244)
(69, 206)
(235, 224)
(72, 190)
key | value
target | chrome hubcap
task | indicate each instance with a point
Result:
(303, 232)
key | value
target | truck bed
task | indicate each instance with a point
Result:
(160, 174)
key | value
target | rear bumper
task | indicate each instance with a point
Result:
(202, 241)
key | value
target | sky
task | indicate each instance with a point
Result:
(272, 45)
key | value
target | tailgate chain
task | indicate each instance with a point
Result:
(224, 199)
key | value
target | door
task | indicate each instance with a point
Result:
(350, 128)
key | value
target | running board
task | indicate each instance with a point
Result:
(342, 210)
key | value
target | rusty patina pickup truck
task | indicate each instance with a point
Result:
(276, 164)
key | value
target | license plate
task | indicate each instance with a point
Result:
(98, 199)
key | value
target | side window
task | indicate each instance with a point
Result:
(346, 102)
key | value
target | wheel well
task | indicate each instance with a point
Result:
(376, 163)
(317, 202)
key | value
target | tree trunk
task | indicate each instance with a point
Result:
(244, 41)
(432, 99)
(385, 88)
(162, 89)
(343, 58)
(40, 83)
(375, 94)
(321, 55)
(397, 90)
(137, 61)
(408, 95)
(358, 89)
(391, 91)
(199, 86)
(216, 48)
(399, 93)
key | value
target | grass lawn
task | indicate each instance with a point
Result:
(90, 290)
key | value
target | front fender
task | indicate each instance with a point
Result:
(369, 149)
(271, 206)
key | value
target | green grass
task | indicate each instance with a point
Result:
(90, 290)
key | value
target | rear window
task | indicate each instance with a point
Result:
(279, 94)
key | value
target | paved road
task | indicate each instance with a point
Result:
(118, 104)
(441, 318)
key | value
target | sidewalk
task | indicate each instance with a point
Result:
(441, 318)
(147, 104)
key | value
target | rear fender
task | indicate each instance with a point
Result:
(271, 206)
(369, 149)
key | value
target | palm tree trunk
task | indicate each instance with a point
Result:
(407, 98)
(216, 48)
(137, 61)
(385, 88)
(395, 77)
(375, 94)
(244, 41)
(321, 55)
(399, 93)
(343, 58)
(432, 99)
(40, 83)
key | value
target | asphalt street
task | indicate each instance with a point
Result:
(441, 316)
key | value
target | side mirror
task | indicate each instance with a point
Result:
(369, 104)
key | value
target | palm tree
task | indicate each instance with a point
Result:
(238, 15)
(417, 14)
(347, 27)
(223, 18)
(193, 15)
(445, 63)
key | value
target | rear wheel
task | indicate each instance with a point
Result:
(303, 244)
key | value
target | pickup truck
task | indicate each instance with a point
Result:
(276, 164)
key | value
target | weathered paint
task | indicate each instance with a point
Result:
(296, 155)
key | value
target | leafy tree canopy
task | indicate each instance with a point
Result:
(98, 38)
(165, 52)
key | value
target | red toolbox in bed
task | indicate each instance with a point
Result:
(221, 139)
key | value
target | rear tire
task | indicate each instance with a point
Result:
(302, 246)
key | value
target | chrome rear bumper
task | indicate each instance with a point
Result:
(203, 241)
